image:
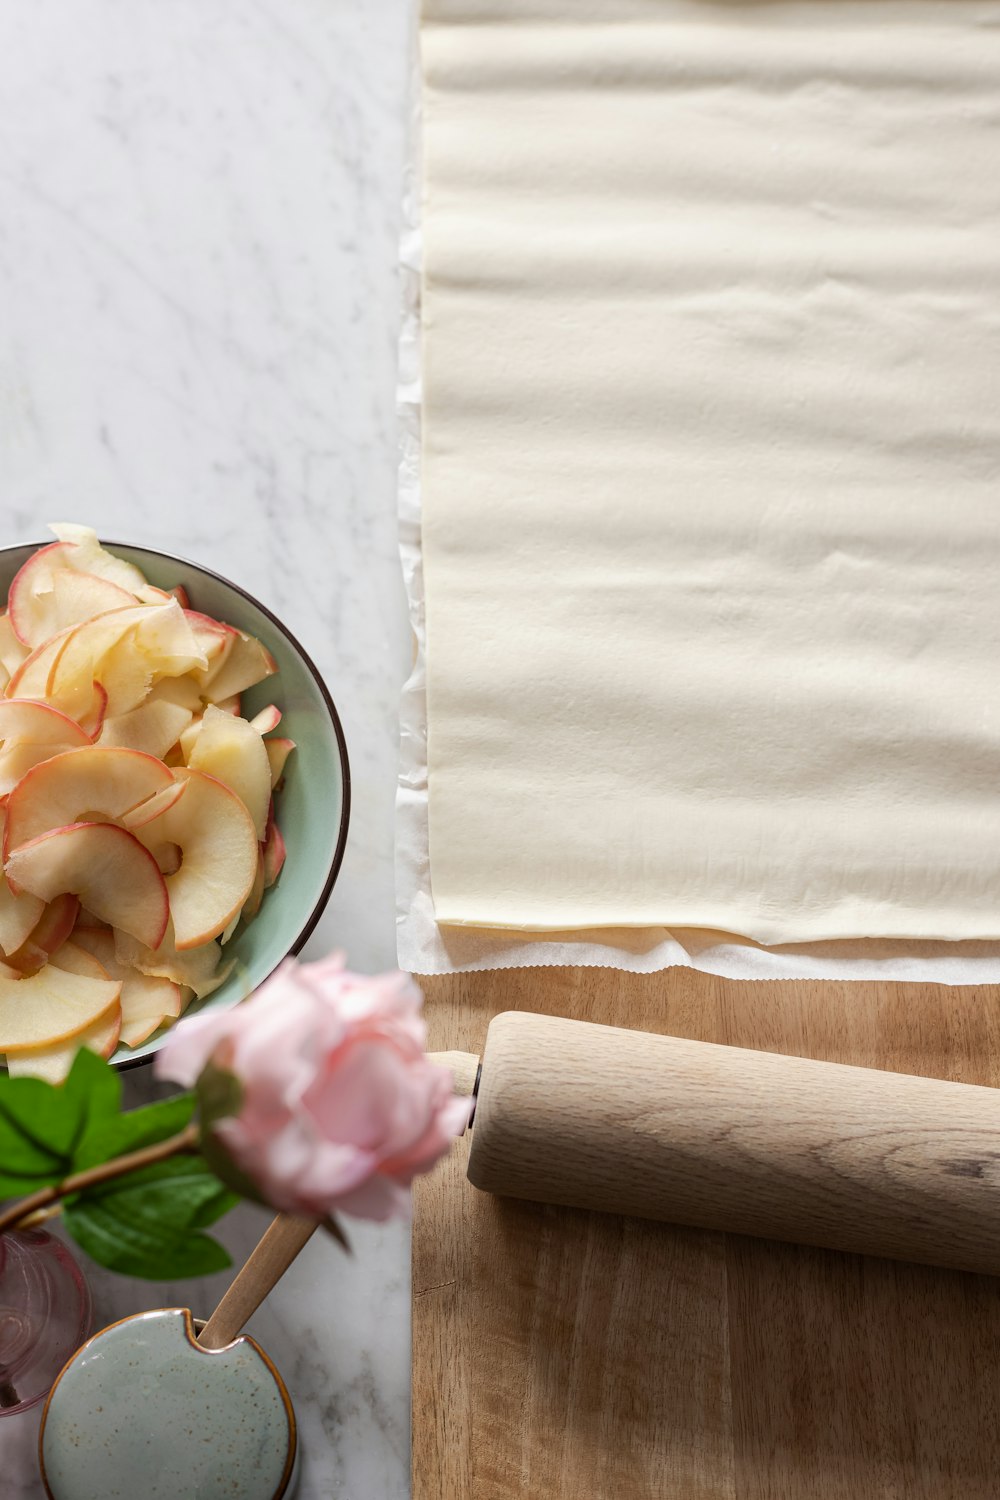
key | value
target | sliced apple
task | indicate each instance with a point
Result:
(180, 593)
(83, 785)
(152, 727)
(233, 752)
(48, 934)
(54, 1063)
(251, 905)
(34, 722)
(53, 600)
(32, 579)
(125, 650)
(269, 718)
(147, 1000)
(189, 738)
(232, 705)
(51, 1006)
(87, 554)
(106, 866)
(12, 653)
(196, 969)
(244, 664)
(274, 854)
(76, 958)
(148, 811)
(278, 751)
(218, 846)
(31, 679)
(19, 916)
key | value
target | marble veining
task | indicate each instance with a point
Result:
(199, 222)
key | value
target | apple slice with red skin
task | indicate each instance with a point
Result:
(36, 573)
(19, 916)
(53, 927)
(82, 785)
(106, 867)
(231, 750)
(150, 810)
(51, 602)
(278, 751)
(87, 554)
(218, 845)
(246, 662)
(31, 721)
(54, 1063)
(180, 593)
(31, 679)
(274, 853)
(12, 653)
(269, 718)
(51, 1006)
(146, 1001)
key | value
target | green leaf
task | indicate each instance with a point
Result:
(147, 1223)
(133, 1131)
(43, 1124)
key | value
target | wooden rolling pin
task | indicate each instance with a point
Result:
(725, 1138)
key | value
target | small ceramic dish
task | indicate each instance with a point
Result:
(143, 1410)
(313, 805)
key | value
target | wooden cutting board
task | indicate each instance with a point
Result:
(561, 1355)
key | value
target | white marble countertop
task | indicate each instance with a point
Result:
(199, 214)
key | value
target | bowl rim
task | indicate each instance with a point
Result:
(345, 767)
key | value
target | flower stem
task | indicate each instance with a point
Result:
(185, 1140)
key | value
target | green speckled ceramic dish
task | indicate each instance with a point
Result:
(313, 805)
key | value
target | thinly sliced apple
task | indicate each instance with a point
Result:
(196, 969)
(53, 1063)
(246, 663)
(83, 785)
(232, 705)
(32, 721)
(278, 751)
(152, 727)
(274, 854)
(180, 593)
(233, 752)
(31, 679)
(53, 601)
(148, 811)
(12, 653)
(106, 866)
(18, 760)
(77, 958)
(19, 916)
(251, 905)
(269, 718)
(51, 1006)
(146, 1000)
(189, 737)
(89, 556)
(125, 650)
(34, 578)
(183, 691)
(48, 934)
(218, 857)
(213, 636)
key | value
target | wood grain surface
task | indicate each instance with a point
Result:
(574, 1355)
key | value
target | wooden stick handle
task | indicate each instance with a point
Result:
(268, 1262)
(463, 1066)
(751, 1142)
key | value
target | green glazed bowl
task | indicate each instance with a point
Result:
(314, 826)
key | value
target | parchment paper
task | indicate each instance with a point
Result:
(424, 946)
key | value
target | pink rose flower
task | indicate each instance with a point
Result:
(341, 1107)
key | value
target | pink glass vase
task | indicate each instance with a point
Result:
(45, 1315)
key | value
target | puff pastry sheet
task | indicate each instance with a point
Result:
(711, 465)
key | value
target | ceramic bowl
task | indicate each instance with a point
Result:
(313, 805)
